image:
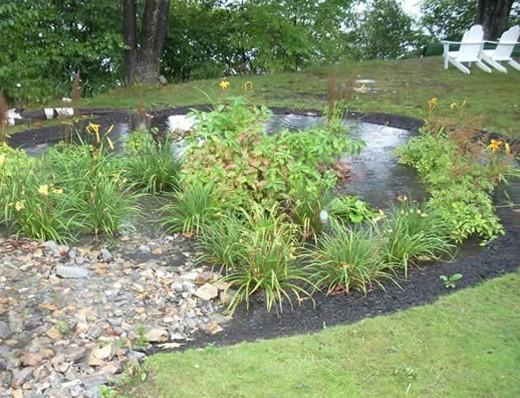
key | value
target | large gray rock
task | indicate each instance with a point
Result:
(71, 272)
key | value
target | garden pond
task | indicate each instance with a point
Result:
(376, 177)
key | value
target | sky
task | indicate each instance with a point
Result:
(412, 7)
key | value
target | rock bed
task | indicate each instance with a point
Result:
(73, 318)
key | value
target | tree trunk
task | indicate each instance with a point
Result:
(494, 16)
(143, 62)
(129, 33)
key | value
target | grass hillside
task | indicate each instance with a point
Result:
(402, 87)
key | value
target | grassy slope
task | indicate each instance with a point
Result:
(465, 345)
(406, 86)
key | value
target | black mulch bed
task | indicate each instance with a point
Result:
(423, 286)
(106, 117)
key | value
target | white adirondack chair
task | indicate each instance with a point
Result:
(470, 51)
(502, 52)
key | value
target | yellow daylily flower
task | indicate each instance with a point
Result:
(93, 128)
(43, 190)
(224, 84)
(495, 145)
(247, 86)
(433, 102)
(19, 205)
(453, 106)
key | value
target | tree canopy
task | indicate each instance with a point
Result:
(45, 43)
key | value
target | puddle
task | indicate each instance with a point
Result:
(376, 176)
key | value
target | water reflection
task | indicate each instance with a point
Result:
(376, 176)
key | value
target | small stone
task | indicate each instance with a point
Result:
(76, 354)
(18, 393)
(170, 346)
(189, 276)
(162, 80)
(157, 251)
(5, 332)
(53, 333)
(104, 353)
(204, 277)
(51, 247)
(213, 328)
(35, 358)
(221, 285)
(177, 336)
(94, 332)
(144, 249)
(136, 356)
(48, 307)
(21, 376)
(59, 364)
(177, 287)
(112, 368)
(105, 256)
(207, 292)
(226, 296)
(71, 272)
(15, 322)
(156, 335)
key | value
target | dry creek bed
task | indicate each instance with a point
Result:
(73, 318)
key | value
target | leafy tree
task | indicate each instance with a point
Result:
(448, 19)
(43, 43)
(385, 31)
(494, 16)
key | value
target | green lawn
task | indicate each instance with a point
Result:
(405, 87)
(465, 345)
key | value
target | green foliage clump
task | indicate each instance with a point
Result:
(192, 208)
(72, 189)
(231, 149)
(258, 248)
(152, 166)
(412, 233)
(100, 195)
(347, 259)
(461, 188)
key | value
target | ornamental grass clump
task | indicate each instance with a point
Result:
(93, 179)
(192, 208)
(264, 261)
(152, 166)
(346, 259)
(31, 205)
(412, 233)
(221, 242)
